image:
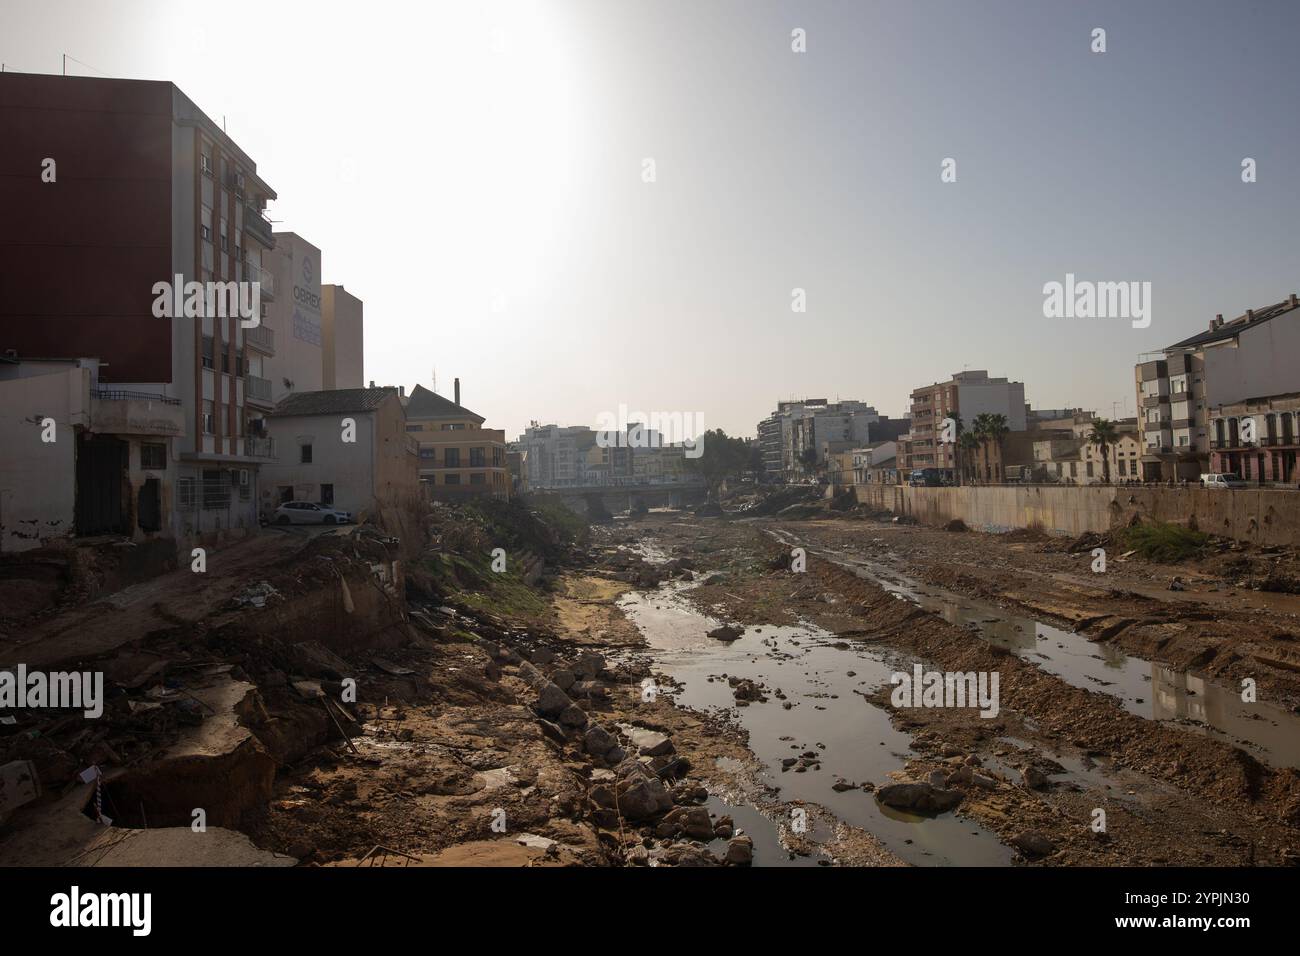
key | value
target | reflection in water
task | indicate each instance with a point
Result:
(824, 684)
(1145, 689)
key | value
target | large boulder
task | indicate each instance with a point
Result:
(552, 701)
(644, 798)
(919, 797)
(599, 741)
(740, 851)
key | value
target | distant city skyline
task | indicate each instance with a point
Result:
(476, 174)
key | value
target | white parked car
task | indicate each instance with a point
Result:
(305, 512)
(1228, 480)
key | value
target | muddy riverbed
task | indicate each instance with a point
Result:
(1178, 768)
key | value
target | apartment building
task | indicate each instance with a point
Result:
(458, 456)
(967, 394)
(348, 448)
(342, 338)
(557, 455)
(146, 188)
(816, 425)
(833, 427)
(1215, 376)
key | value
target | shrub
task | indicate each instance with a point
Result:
(1163, 541)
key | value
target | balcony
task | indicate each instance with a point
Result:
(257, 391)
(261, 338)
(258, 226)
(1151, 401)
(259, 447)
(255, 273)
(118, 412)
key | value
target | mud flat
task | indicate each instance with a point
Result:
(1078, 731)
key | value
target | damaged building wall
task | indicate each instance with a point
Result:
(38, 478)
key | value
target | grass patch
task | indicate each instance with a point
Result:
(1164, 542)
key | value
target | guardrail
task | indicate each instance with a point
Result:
(126, 395)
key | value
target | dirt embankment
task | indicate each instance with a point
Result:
(339, 700)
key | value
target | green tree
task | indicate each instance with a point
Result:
(721, 457)
(1104, 436)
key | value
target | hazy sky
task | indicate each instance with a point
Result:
(474, 172)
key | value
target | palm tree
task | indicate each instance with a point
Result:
(997, 430)
(1104, 436)
(981, 430)
(959, 433)
(968, 443)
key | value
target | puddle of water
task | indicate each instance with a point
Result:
(855, 739)
(1144, 688)
(766, 835)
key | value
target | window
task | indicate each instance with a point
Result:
(496, 457)
(207, 351)
(205, 161)
(477, 478)
(225, 240)
(452, 458)
(205, 223)
(429, 453)
(153, 456)
(477, 458)
(451, 480)
(327, 494)
(216, 492)
(1122, 465)
(185, 491)
(304, 454)
(209, 419)
(415, 428)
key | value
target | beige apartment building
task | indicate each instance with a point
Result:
(342, 338)
(458, 456)
(967, 394)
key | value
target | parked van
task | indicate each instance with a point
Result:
(1228, 480)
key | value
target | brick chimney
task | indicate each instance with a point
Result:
(1250, 315)
(457, 391)
(1293, 301)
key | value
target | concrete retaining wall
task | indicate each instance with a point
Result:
(1262, 516)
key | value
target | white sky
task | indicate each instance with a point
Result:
(446, 155)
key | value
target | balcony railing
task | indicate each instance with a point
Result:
(259, 447)
(255, 273)
(257, 389)
(123, 395)
(261, 338)
(258, 226)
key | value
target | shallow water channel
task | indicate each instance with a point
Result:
(824, 684)
(1145, 688)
